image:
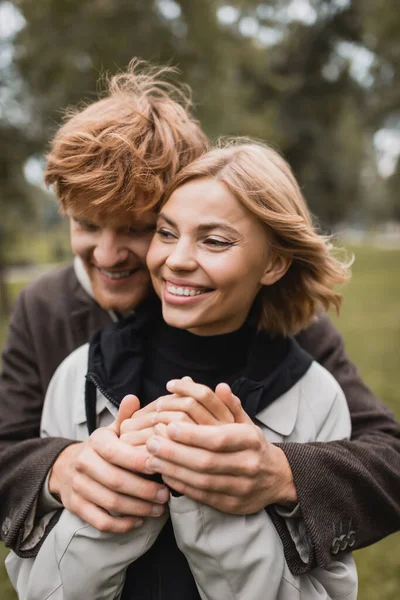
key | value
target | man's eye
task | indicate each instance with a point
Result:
(134, 230)
(91, 227)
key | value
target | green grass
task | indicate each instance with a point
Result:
(370, 323)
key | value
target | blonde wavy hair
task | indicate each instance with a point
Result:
(264, 184)
(118, 153)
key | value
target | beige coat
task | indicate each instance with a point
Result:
(231, 557)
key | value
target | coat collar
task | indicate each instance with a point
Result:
(116, 360)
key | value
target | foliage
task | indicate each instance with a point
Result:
(260, 70)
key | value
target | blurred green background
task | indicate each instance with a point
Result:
(319, 79)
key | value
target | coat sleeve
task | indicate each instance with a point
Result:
(25, 459)
(240, 557)
(76, 560)
(347, 480)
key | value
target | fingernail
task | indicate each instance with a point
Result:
(162, 495)
(138, 524)
(187, 378)
(171, 385)
(153, 445)
(157, 510)
(173, 430)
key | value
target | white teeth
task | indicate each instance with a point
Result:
(179, 291)
(119, 275)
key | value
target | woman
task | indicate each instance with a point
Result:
(238, 268)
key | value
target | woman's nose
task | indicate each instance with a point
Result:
(110, 249)
(181, 257)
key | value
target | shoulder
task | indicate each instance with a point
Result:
(72, 370)
(58, 281)
(313, 408)
(319, 389)
(322, 399)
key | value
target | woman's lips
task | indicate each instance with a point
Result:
(184, 294)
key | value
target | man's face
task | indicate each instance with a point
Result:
(114, 256)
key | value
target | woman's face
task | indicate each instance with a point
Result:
(208, 259)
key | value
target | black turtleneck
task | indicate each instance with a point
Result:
(171, 354)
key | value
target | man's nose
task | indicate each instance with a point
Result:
(110, 249)
(181, 257)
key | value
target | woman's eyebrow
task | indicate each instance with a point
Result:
(204, 227)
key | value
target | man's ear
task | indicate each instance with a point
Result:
(276, 269)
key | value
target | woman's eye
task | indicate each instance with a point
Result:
(215, 243)
(165, 234)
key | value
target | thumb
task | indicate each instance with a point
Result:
(224, 393)
(129, 405)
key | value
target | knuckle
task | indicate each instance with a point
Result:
(116, 482)
(126, 427)
(206, 462)
(252, 465)
(232, 504)
(190, 403)
(221, 439)
(203, 481)
(246, 488)
(204, 394)
(111, 503)
(102, 523)
(75, 484)
(108, 451)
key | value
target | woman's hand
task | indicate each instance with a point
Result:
(189, 402)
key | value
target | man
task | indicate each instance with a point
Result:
(122, 150)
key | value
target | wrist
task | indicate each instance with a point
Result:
(286, 493)
(61, 469)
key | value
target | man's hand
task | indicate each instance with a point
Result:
(231, 467)
(101, 476)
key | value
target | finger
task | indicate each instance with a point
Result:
(142, 421)
(231, 437)
(103, 521)
(204, 395)
(226, 503)
(232, 402)
(129, 405)
(161, 429)
(190, 406)
(172, 416)
(118, 480)
(152, 407)
(115, 502)
(194, 459)
(108, 447)
(137, 438)
(208, 482)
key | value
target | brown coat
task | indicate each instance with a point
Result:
(349, 492)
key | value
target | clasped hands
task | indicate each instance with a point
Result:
(201, 442)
